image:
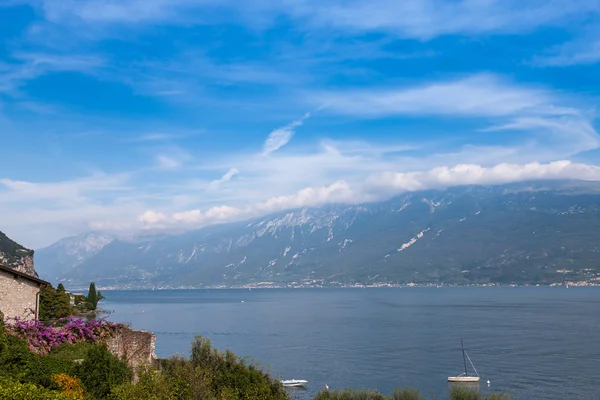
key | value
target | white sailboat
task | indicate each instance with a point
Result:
(294, 383)
(464, 377)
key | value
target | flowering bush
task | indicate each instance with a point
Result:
(71, 387)
(43, 338)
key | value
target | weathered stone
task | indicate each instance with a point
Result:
(136, 347)
(19, 294)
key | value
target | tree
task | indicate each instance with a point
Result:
(93, 297)
(54, 303)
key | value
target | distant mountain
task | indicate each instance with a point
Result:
(13, 255)
(59, 259)
(538, 232)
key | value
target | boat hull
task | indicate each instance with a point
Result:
(294, 383)
(463, 379)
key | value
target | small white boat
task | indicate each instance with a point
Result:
(465, 377)
(294, 383)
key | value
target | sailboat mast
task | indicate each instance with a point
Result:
(464, 359)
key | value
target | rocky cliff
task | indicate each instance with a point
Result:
(13, 255)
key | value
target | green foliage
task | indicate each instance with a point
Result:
(407, 394)
(93, 297)
(151, 385)
(185, 380)
(72, 351)
(19, 362)
(232, 378)
(54, 303)
(1, 319)
(349, 394)
(458, 392)
(16, 360)
(101, 371)
(14, 390)
(208, 374)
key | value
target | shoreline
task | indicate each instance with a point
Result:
(352, 286)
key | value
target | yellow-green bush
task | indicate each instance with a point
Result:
(13, 390)
(70, 386)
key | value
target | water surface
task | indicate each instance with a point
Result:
(535, 343)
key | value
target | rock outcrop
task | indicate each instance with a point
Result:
(13, 255)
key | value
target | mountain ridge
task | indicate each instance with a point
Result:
(517, 233)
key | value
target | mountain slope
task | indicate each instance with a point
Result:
(521, 233)
(55, 261)
(13, 255)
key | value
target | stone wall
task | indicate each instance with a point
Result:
(136, 346)
(18, 296)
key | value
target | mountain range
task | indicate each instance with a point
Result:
(532, 232)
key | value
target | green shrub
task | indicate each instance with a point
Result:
(14, 390)
(498, 396)
(101, 371)
(72, 351)
(458, 392)
(186, 380)
(350, 394)
(43, 367)
(16, 360)
(407, 394)
(233, 378)
(151, 385)
(20, 363)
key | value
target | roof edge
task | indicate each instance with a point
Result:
(24, 275)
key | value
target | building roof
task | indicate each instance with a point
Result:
(23, 275)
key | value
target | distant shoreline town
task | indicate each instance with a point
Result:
(272, 285)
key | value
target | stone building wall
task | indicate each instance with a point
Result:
(136, 346)
(18, 296)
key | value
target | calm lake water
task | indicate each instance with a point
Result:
(535, 343)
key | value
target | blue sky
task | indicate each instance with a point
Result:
(130, 115)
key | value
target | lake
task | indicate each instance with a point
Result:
(533, 342)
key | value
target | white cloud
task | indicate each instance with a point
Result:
(582, 51)
(225, 178)
(222, 213)
(281, 136)
(422, 19)
(550, 126)
(166, 162)
(476, 95)
(470, 174)
(33, 65)
(152, 217)
(426, 19)
(381, 186)
(102, 11)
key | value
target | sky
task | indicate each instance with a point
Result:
(133, 116)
